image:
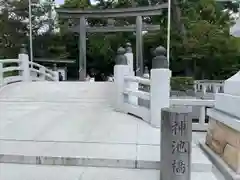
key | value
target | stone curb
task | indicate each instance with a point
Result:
(92, 162)
(225, 170)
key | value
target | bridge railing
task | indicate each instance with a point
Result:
(209, 86)
(16, 70)
(157, 96)
(128, 91)
(42, 73)
(200, 123)
(10, 71)
(132, 94)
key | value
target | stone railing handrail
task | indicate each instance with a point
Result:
(145, 113)
(209, 86)
(209, 81)
(136, 92)
(43, 72)
(146, 97)
(137, 80)
(16, 67)
(201, 125)
(139, 96)
(21, 69)
(9, 61)
(192, 102)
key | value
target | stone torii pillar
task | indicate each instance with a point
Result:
(139, 46)
(82, 49)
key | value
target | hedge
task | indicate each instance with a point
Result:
(182, 83)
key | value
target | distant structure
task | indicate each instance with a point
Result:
(139, 27)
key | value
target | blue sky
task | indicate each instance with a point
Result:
(62, 1)
(59, 1)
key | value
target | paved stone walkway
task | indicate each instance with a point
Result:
(34, 172)
(74, 124)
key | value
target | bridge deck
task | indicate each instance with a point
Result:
(58, 121)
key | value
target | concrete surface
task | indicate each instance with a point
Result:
(92, 154)
(36, 172)
(76, 120)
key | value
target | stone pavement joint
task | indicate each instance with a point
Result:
(92, 154)
(36, 172)
(86, 132)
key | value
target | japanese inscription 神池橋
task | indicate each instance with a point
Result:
(176, 138)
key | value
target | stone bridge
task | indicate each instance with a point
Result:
(74, 123)
(71, 130)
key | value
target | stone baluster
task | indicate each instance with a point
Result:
(129, 56)
(132, 85)
(146, 73)
(145, 88)
(1, 74)
(55, 73)
(202, 115)
(215, 88)
(195, 87)
(204, 88)
(42, 75)
(160, 85)
(24, 64)
(121, 59)
(121, 69)
(160, 59)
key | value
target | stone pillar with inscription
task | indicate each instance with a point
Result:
(176, 139)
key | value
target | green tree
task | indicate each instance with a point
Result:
(14, 18)
(208, 48)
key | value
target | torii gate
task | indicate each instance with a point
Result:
(137, 12)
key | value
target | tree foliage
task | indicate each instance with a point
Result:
(200, 42)
(14, 25)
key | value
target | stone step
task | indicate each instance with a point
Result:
(36, 172)
(92, 154)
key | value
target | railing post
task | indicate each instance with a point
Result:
(132, 85)
(129, 56)
(24, 63)
(176, 140)
(204, 88)
(145, 88)
(55, 73)
(1, 74)
(56, 76)
(42, 73)
(202, 115)
(121, 69)
(160, 86)
(195, 87)
(217, 88)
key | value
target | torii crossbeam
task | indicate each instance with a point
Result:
(137, 12)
